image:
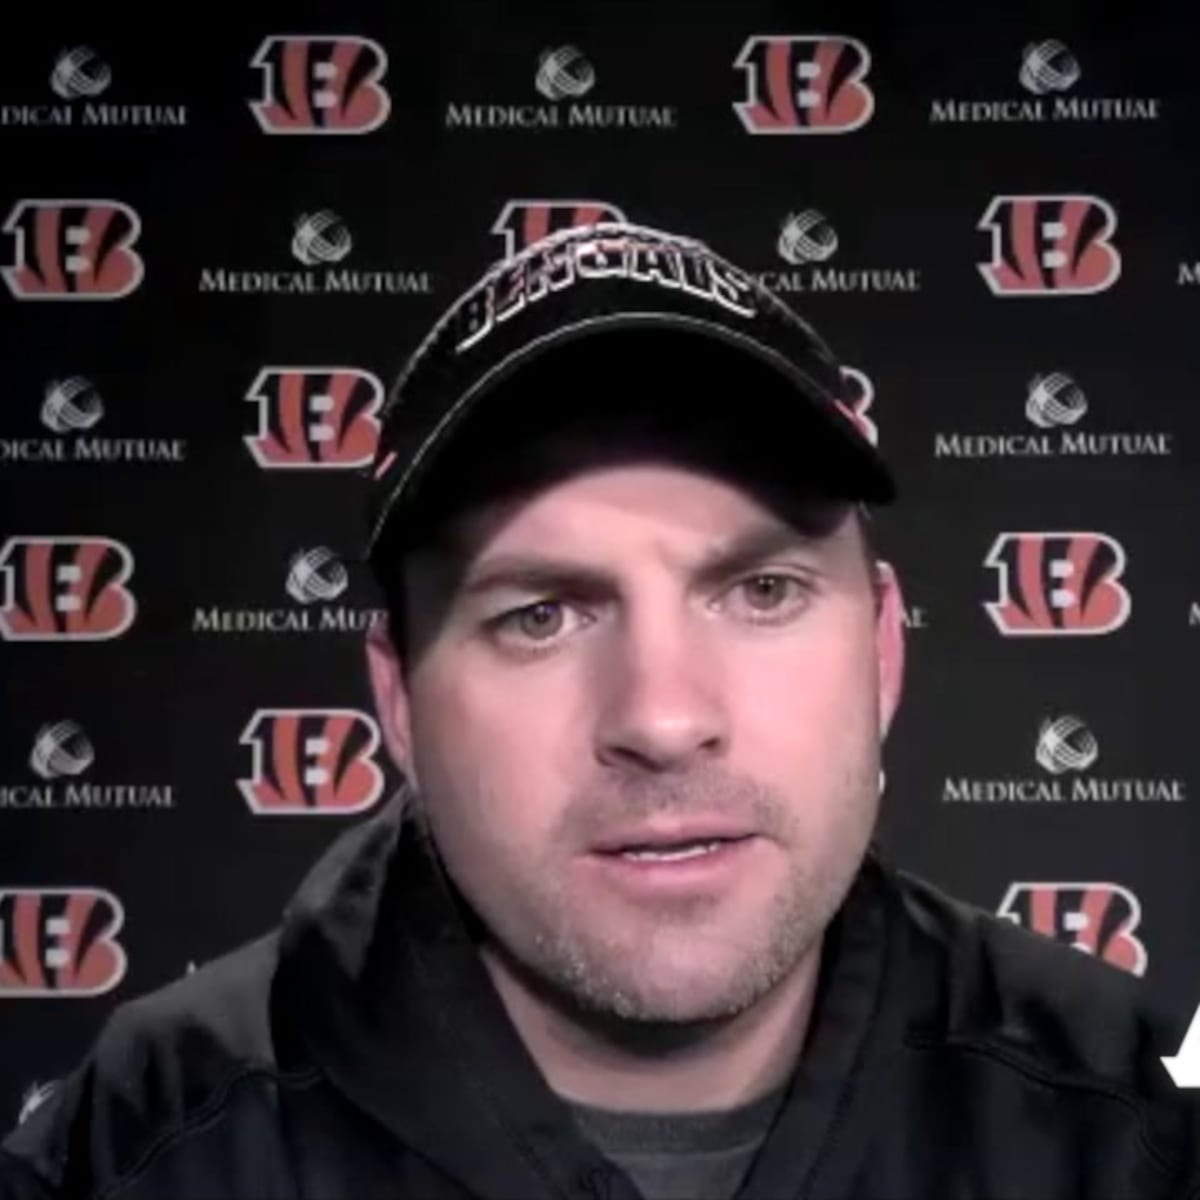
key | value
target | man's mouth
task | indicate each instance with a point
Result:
(673, 853)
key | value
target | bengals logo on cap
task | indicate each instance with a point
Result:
(1097, 918)
(809, 84)
(859, 396)
(1058, 584)
(523, 222)
(312, 761)
(315, 417)
(321, 85)
(1050, 245)
(65, 589)
(73, 250)
(60, 942)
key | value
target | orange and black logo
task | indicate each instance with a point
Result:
(59, 942)
(321, 85)
(1050, 245)
(810, 84)
(1097, 918)
(858, 394)
(523, 222)
(313, 417)
(312, 761)
(55, 589)
(73, 250)
(1058, 584)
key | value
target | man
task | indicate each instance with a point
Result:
(626, 934)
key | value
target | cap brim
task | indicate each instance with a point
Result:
(678, 381)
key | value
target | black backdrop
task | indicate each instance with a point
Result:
(224, 235)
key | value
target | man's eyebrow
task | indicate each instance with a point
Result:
(533, 572)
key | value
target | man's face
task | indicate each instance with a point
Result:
(633, 657)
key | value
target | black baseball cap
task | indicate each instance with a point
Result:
(566, 309)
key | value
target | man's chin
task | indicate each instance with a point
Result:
(670, 992)
(651, 1021)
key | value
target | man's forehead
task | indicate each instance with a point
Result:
(703, 521)
(542, 562)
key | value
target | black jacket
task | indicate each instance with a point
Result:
(360, 1051)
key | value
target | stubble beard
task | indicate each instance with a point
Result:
(627, 979)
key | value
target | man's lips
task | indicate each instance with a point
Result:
(669, 835)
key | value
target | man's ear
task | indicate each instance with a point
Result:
(390, 690)
(889, 643)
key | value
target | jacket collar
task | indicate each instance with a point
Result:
(380, 980)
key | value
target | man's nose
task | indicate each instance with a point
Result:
(661, 701)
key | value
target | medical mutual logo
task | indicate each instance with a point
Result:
(1048, 67)
(314, 582)
(71, 411)
(1068, 753)
(1054, 90)
(61, 764)
(1188, 274)
(321, 244)
(77, 79)
(564, 72)
(563, 76)
(1065, 744)
(1059, 423)
(320, 238)
(815, 257)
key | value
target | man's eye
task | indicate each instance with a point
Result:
(540, 621)
(771, 594)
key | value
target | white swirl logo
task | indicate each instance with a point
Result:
(1054, 399)
(316, 575)
(71, 404)
(1066, 744)
(1048, 67)
(321, 237)
(806, 237)
(61, 749)
(564, 72)
(79, 72)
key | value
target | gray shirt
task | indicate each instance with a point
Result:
(682, 1156)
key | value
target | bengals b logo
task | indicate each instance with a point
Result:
(1050, 245)
(62, 589)
(321, 85)
(314, 417)
(1058, 584)
(73, 250)
(312, 761)
(804, 85)
(59, 942)
(1097, 918)
(859, 396)
(523, 222)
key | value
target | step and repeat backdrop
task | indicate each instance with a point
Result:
(221, 240)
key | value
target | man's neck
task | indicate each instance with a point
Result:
(723, 1066)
